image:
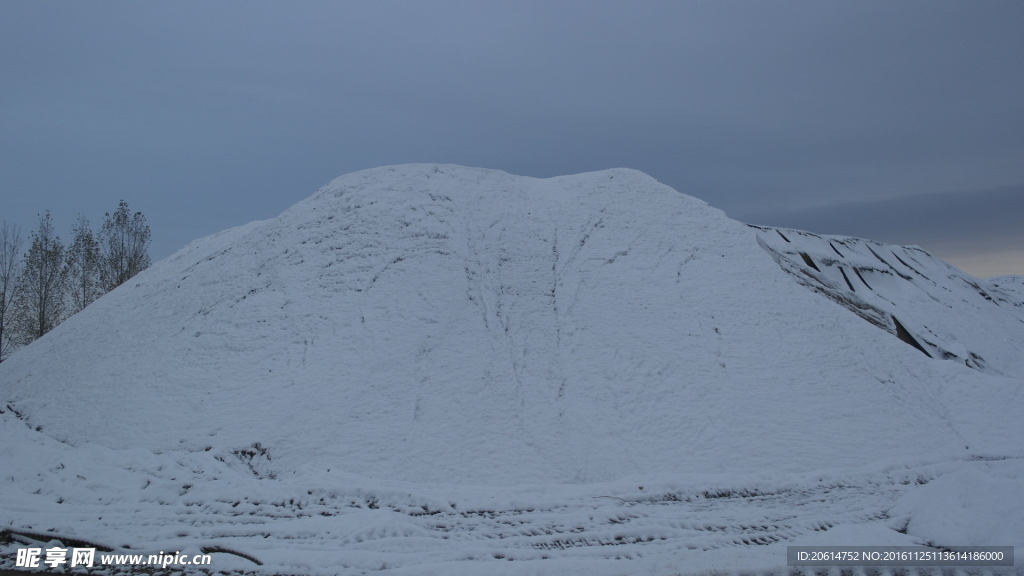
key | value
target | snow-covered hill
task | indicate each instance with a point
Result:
(937, 309)
(410, 331)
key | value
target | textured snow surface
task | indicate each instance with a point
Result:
(440, 370)
(945, 313)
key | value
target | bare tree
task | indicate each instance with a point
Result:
(10, 246)
(124, 246)
(83, 266)
(40, 293)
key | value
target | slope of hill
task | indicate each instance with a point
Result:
(939, 310)
(410, 331)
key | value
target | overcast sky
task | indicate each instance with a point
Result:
(897, 121)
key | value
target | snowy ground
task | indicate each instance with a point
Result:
(135, 501)
(441, 370)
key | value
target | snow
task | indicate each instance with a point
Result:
(883, 282)
(431, 369)
(981, 505)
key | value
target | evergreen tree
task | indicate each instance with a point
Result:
(83, 267)
(10, 246)
(40, 293)
(124, 246)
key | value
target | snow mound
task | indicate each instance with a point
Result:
(436, 323)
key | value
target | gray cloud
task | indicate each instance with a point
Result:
(969, 222)
(208, 115)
